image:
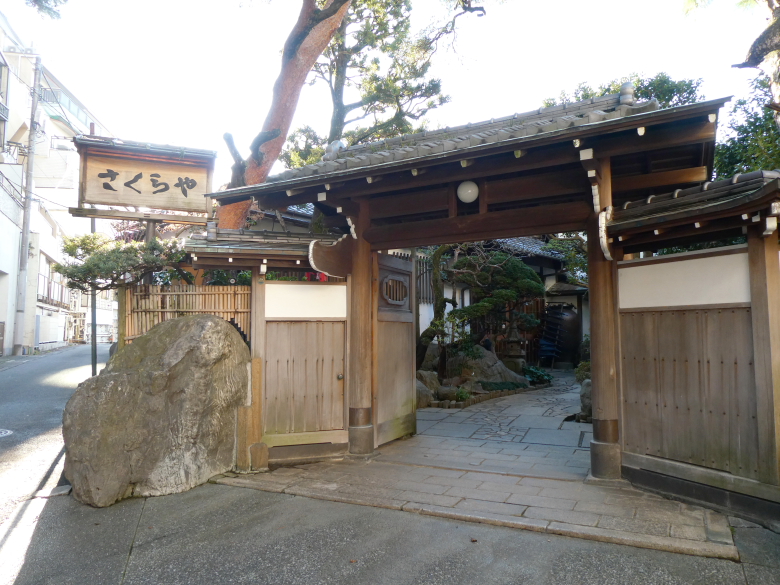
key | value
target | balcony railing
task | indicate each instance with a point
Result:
(10, 188)
(52, 293)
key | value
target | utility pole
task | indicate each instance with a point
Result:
(21, 283)
(93, 309)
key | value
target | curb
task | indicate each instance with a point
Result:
(662, 543)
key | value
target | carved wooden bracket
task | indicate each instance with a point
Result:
(332, 259)
(593, 167)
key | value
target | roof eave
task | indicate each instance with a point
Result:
(583, 131)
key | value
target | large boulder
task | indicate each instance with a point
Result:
(161, 417)
(484, 368)
(424, 395)
(430, 379)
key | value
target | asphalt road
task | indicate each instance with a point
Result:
(33, 394)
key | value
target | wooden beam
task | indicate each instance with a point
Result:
(411, 203)
(527, 221)
(764, 261)
(138, 215)
(452, 200)
(537, 186)
(667, 136)
(446, 172)
(650, 180)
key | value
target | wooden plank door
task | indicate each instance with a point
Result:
(394, 387)
(303, 394)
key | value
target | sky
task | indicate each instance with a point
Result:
(184, 72)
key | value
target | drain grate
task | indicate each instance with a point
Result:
(5, 432)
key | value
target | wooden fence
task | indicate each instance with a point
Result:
(144, 306)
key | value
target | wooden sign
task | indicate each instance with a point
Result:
(146, 183)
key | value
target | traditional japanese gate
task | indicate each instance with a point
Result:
(588, 167)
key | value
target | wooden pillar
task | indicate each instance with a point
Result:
(361, 342)
(122, 296)
(764, 260)
(251, 453)
(604, 448)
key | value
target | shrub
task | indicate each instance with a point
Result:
(582, 372)
(536, 375)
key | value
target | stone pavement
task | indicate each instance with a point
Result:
(511, 462)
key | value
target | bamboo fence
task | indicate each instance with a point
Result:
(146, 305)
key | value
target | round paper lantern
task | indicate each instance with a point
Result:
(468, 191)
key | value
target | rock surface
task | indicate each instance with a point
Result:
(424, 395)
(431, 361)
(585, 398)
(160, 418)
(430, 380)
(486, 368)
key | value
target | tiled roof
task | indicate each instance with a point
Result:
(565, 289)
(528, 246)
(657, 208)
(254, 241)
(527, 124)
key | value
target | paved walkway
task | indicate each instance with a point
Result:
(512, 462)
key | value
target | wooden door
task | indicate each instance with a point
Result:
(394, 387)
(303, 397)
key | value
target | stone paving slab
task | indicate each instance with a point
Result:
(480, 464)
(506, 500)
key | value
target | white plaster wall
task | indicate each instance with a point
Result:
(305, 301)
(426, 309)
(690, 281)
(10, 236)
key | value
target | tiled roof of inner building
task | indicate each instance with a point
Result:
(659, 208)
(528, 246)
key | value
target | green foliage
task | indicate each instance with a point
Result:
(703, 245)
(378, 76)
(223, 277)
(527, 322)
(276, 276)
(46, 7)
(304, 147)
(536, 375)
(582, 372)
(496, 280)
(461, 395)
(667, 91)
(585, 347)
(93, 261)
(574, 253)
(752, 139)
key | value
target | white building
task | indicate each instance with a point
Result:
(53, 313)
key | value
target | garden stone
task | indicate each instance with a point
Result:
(161, 417)
(424, 395)
(431, 360)
(429, 379)
(485, 368)
(585, 398)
